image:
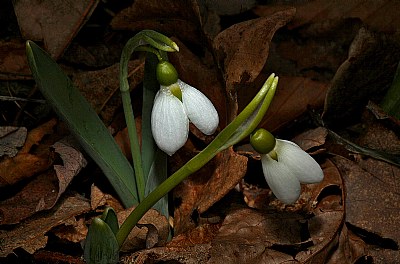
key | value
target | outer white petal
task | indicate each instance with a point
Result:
(306, 169)
(281, 180)
(199, 108)
(169, 123)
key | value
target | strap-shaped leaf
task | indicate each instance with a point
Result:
(110, 218)
(101, 247)
(83, 122)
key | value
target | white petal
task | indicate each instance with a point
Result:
(281, 180)
(199, 108)
(306, 169)
(169, 123)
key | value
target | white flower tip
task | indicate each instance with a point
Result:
(169, 123)
(281, 179)
(199, 109)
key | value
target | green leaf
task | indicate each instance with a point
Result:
(158, 174)
(101, 246)
(150, 88)
(153, 159)
(83, 122)
(110, 218)
(391, 101)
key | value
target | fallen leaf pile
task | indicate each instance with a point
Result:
(335, 61)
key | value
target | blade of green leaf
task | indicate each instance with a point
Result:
(391, 101)
(110, 218)
(150, 88)
(83, 122)
(158, 174)
(101, 247)
(153, 159)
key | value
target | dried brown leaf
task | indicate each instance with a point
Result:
(31, 234)
(11, 138)
(197, 254)
(191, 247)
(179, 18)
(372, 202)
(292, 99)
(137, 238)
(73, 230)
(311, 138)
(350, 249)
(372, 188)
(379, 15)
(37, 134)
(246, 236)
(202, 189)
(39, 194)
(242, 49)
(13, 62)
(99, 199)
(55, 22)
(73, 162)
(365, 75)
(101, 88)
(23, 166)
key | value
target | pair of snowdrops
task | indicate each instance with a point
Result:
(285, 165)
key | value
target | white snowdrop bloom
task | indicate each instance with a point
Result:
(286, 166)
(174, 106)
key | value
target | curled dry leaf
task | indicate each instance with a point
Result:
(372, 188)
(365, 75)
(73, 162)
(13, 62)
(379, 15)
(137, 238)
(311, 138)
(39, 194)
(101, 88)
(72, 230)
(99, 199)
(54, 22)
(292, 99)
(179, 18)
(351, 248)
(28, 163)
(43, 191)
(31, 234)
(202, 189)
(242, 49)
(191, 247)
(11, 138)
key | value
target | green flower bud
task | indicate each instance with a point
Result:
(262, 141)
(176, 91)
(166, 73)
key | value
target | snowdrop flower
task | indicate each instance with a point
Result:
(175, 104)
(285, 165)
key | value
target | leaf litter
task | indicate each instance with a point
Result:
(314, 47)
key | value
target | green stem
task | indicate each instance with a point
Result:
(142, 39)
(258, 105)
